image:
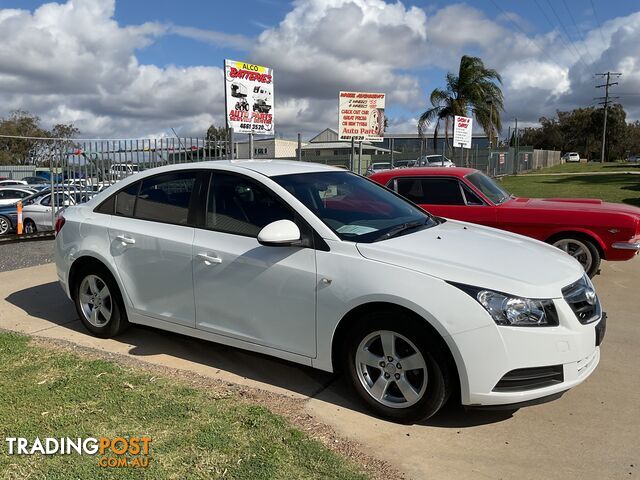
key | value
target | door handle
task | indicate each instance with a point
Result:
(209, 259)
(126, 240)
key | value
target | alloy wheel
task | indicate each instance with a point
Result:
(4, 226)
(391, 369)
(95, 301)
(578, 250)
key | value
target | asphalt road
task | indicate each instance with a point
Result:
(25, 254)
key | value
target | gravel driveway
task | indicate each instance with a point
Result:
(25, 254)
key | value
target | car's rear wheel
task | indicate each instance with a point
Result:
(583, 250)
(30, 226)
(395, 366)
(5, 225)
(99, 303)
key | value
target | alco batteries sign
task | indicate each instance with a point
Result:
(249, 97)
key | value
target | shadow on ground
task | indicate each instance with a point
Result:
(48, 302)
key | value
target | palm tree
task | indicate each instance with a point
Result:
(474, 90)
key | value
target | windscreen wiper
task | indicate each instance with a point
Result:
(401, 228)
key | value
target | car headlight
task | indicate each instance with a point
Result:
(512, 311)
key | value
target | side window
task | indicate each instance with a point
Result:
(166, 198)
(46, 201)
(4, 194)
(241, 206)
(22, 194)
(470, 197)
(431, 191)
(126, 200)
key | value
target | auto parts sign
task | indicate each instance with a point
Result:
(249, 97)
(361, 116)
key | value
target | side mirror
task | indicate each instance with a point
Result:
(279, 234)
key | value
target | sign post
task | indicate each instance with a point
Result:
(462, 128)
(248, 97)
(361, 116)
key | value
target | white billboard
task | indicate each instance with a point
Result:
(462, 129)
(248, 97)
(361, 116)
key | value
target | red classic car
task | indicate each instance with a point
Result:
(587, 229)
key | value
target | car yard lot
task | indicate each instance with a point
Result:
(591, 432)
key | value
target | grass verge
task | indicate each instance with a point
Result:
(195, 433)
(607, 167)
(621, 187)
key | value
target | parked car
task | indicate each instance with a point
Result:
(10, 195)
(377, 167)
(434, 161)
(36, 180)
(404, 163)
(12, 183)
(118, 171)
(590, 230)
(571, 157)
(326, 268)
(38, 208)
(8, 219)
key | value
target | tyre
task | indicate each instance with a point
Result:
(5, 225)
(30, 226)
(396, 366)
(583, 250)
(99, 302)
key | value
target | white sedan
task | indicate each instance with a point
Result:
(320, 266)
(37, 212)
(11, 195)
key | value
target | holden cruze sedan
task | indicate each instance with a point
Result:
(323, 267)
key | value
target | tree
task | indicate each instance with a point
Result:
(25, 141)
(474, 91)
(580, 130)
(217, 133)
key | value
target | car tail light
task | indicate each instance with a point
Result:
(59, 224)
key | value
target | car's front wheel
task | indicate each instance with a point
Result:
(99, 303)
(396, 367)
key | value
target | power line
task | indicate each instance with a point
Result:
(606, 86)
(526, 35)
(595, 15)
(563, 29)
(581, 33)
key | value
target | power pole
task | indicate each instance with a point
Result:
(605, 103)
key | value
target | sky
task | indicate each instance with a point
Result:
(134, 68)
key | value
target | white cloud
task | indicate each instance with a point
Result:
(92, 76)
(52, 64)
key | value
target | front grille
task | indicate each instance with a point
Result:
(530, 378)
(583, 300)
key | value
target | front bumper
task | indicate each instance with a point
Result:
(626, 245)
(486, 355)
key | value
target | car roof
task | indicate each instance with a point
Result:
(268, 168)
(425, 171)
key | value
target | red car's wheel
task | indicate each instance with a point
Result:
(583, 250)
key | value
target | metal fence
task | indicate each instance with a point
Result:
(76, 170)
(493, 162)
